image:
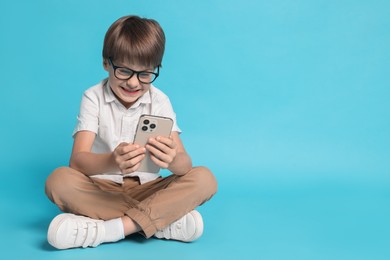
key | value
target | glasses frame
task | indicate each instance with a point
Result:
(134, 72)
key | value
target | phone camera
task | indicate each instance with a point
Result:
(152, 126)
(146, 121)
(145, 128)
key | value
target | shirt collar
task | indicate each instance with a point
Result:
(110, 97)
(108, 94)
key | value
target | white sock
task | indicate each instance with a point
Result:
(114, 230)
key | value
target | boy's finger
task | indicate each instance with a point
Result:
(134, 153)
(129, 148)
(132, 164)
(120, 149)
(161, 154)
(159, 162)
(166, 148)
(162, 141)
(167, 141)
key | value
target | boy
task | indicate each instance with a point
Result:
(104, 196)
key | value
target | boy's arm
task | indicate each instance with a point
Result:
(125, 158)
(182, 163)
(85, 161)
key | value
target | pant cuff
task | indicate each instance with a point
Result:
(143, 220)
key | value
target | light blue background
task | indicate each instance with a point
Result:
(286, 101)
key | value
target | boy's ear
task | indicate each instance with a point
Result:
(105, 64)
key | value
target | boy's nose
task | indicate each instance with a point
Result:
(133, 81)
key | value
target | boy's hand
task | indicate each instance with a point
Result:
(128, 157)
(163, 151)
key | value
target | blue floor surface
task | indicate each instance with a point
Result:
(267, 219)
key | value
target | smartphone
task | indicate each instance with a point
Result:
(151, 126)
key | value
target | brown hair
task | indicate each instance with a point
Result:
(135, 40)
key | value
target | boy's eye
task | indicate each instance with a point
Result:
(145, 75)
(125, 72)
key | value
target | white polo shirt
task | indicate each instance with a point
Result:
(113, 123)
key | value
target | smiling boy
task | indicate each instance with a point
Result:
(103, 195)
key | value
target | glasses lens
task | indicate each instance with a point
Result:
(146, 77)
(123, 73)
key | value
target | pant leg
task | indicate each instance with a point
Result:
(153, 205)
(74, 192)
(167, 199)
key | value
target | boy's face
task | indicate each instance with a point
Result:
(130, 90)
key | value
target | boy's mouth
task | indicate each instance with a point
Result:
(131, 92)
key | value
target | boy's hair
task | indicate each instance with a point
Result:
(135, 40)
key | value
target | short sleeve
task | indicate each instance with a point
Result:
(88, 119)
(165, 109)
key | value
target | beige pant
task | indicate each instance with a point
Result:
(153, 205)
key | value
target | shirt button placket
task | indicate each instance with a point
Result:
(125, 129)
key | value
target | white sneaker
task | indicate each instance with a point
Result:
(69, 231)
(186, 229)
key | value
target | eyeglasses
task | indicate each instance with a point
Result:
(123, 73)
